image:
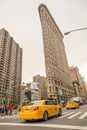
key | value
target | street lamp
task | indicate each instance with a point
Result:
(8, 94)
(66, 33)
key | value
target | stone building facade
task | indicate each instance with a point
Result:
(57, 71)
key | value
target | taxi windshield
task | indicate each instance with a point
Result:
(34, 103)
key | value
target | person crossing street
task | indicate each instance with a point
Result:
(10, 108)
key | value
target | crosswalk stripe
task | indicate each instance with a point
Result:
(83, 116)
(67, 114)
(9, 117)
(74, 115)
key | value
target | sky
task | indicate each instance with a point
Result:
(21, 19)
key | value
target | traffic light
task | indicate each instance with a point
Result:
(45, 84)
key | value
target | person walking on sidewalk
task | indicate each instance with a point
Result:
(2, 109)
(6, 109)
(10, 108)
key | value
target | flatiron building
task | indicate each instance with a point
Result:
(57, 70)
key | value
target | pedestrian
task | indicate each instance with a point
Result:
(10, 108)
(6, 109)
(19, 108)
(2, 109)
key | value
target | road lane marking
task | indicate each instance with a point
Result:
(68, 127)
(67, 114)
(74, 115)
(83, 116)
(9, 117)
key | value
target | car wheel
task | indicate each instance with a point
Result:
(60, 112)
(26, 120)
(45, 116)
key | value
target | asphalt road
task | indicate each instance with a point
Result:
(74, 119)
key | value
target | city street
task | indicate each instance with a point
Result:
(43, 65)
(74, 119)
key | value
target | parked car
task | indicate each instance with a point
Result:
(78, 100)
(40, 109)
(71, 104)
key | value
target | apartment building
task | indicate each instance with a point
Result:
(10, 67)
(30, 92)
(43, 88)
(79, 84)
(57, 71)
(84, 90)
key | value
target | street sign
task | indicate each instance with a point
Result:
(60, 91)
(35, 85)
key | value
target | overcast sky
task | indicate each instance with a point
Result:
(21, 19)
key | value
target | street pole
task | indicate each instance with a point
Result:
(66, 33)
(8, 93)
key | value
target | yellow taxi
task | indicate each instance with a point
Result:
(71, 104)
(40, 109)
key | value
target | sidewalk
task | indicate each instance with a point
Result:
(14, 112)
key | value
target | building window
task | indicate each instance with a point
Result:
(55, 82)
(49, 88)
(53, 88)
(59, 83)
(50, 96)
